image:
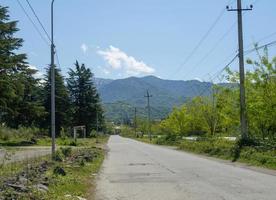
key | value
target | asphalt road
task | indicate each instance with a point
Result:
(136, 171)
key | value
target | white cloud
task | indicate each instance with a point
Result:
(84, 48)
(38, 74)
(118, 59)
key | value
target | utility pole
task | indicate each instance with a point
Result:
(135, 121)
(148, 96)
(97, 118)
(243, 113)
(53, 109)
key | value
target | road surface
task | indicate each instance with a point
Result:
(137, 171)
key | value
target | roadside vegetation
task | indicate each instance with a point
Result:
(210, 125)
(25, 100)
(25, 105)
(69, 176)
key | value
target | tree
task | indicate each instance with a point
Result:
(195, 118)
(10, 62)
(28, 109)
(228, 110)
(261, 87)
(19, 104)
(87, 109)
(63, 109)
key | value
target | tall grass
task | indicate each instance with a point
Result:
(20, 136)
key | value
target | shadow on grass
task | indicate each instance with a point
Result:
(16, 143)
(241, 143)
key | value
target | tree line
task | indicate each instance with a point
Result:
(26, 100)
(218, 114)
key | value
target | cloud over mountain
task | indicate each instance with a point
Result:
(119, 60)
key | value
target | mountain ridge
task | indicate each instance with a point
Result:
(122, 95)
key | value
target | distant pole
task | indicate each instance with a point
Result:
(135, 121)
(53, 109)
(243, 113)
(148, 96)
(97, 118)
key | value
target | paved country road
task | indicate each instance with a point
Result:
(137, 171)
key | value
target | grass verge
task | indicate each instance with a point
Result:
(78, 179)
(256, 154)
(70, 176)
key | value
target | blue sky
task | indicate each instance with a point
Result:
(122, 38)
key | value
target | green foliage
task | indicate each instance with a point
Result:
(66, 151)
(218, 114)
(127, 131)
(249, 151)
(19, 101)
(20, 136)
(213, 147)
(63, 109)
(85, 99)
(170, 139)
(186, 120)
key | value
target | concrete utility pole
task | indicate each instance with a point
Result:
(148, 96)
(135, 121)
(53, 109)
(243, 113)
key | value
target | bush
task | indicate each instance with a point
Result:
(58, 156)
(93, 134)
(20, 136)
(209, 146)
(66, 151)
(59, 171)
(248, 151)
(170, 139)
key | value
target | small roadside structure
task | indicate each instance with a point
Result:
(117, 130)
(76, 128)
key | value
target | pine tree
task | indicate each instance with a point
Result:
(10, 63)
(85, 98)
(28, 109)
(18, 104)
(63, 110)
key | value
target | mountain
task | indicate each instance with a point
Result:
(101, 82)
(122, 95)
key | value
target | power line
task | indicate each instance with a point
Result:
(57, 57)
(212, 50)
(216, 44)
(246, 53)
(212, 78)
(42, 26)
(32, 22)
(202, 40)
(33, 11)
(219, 41)
(260, 47)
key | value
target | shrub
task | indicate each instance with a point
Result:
(59, 171)
(20, 136)
(66, 151)
(58, 156)
(170, 139)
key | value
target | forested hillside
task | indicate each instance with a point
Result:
(122, 95)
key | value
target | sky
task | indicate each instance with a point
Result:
(122, 38)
